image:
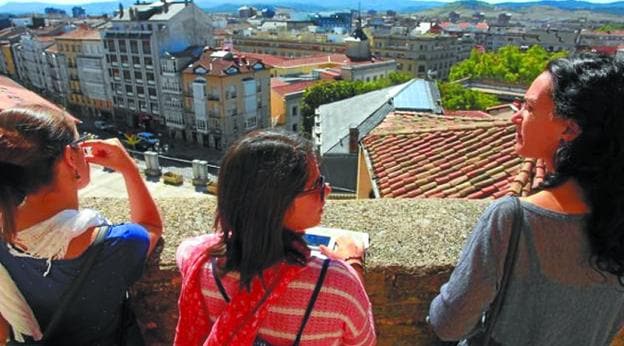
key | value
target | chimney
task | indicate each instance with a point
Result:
(354, 134)
(121, 11)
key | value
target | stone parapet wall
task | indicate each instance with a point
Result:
(414, 245)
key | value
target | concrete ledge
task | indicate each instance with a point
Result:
(414, 246)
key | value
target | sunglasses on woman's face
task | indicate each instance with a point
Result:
(319, 186)
(76, 144)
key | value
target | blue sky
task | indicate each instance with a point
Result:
(78, 2)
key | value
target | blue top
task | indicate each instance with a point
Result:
(94, 315)
(555, 296)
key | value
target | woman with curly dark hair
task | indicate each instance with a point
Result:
(563, 282)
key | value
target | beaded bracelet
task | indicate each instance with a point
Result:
(359, 258)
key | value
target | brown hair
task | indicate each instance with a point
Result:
(260, 176)
(31, 141)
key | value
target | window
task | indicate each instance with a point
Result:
(126, 75)
(110, 45)
(149, 76)
(124, 59)
(117, 88)
(151, 92)
(140, 90)
(421, 68)
(134, 47)
(147, 49)
(294, 111)
(129, 89)
(122, 46)
(136, 60)
(154, 107)
(138, 75)
(113, 58)
(143, 105)
(114, 73)
(294, 127)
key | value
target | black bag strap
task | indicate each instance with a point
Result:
(71, 291)
(315, 293)
(213, 263)
(510, 260)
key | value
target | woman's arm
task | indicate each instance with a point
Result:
(457, 310)
(143, 210)
(4, 331)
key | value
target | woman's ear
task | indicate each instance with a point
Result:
(571, 131)
(70, 157)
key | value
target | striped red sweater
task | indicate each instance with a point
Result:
(341, 316)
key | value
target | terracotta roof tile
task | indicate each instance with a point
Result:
(423, 155)
(282, 90)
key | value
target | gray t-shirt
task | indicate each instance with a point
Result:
(555, 297)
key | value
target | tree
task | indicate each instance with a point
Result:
(332, 91)
(455, 97)
(509, 64)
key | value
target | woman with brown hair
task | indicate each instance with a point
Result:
(254, 280)
(45, 237)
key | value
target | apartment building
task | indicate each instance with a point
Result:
(228, 96)
(287, 45)
(180, 124)
(88, 82)
(56, 76)
(8, 37)
(600, 38)
(29, 55)
(424, 56)
(552, 40)
(134, 43)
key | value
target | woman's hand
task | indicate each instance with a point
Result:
(348, 250)
(109, 153)
(143, 210)
(346, 247)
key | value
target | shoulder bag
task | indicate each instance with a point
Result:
(70, 292)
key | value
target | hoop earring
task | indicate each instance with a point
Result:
(76, 175)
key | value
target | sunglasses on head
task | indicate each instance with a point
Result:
(319, 186)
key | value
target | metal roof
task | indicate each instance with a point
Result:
(420, 96)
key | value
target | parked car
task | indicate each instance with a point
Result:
(104, 126)
(147, 140)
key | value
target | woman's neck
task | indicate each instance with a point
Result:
(42, 206)
(566, 198)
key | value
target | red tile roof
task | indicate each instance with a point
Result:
(421, 155)
(272, 60)
(83, 32)
(468, 114)
(291, 88)
(217, 66)
(14, 95)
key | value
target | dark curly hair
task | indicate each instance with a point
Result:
(260, 176)
(589, 89)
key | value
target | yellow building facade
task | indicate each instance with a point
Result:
(7, 56)
(73, 45)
